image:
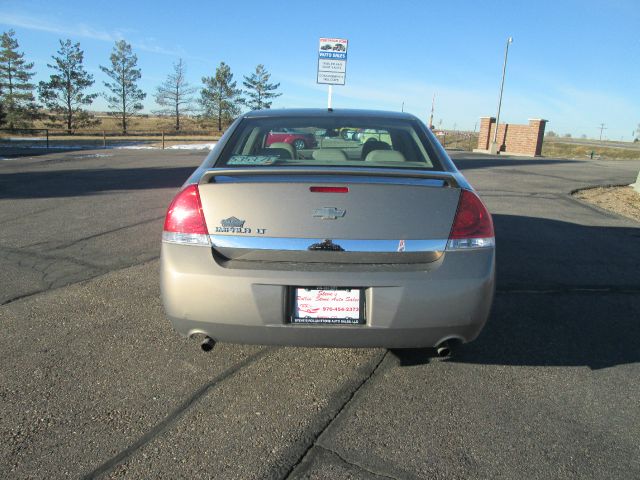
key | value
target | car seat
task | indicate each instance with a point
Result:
(385, 156)
(329, 155)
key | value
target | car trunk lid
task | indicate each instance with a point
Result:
(343, 216)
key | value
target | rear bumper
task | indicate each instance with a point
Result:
(405, 306)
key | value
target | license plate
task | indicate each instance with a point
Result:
(328, 306)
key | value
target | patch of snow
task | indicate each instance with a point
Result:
(51, 147)
(193, 146)
(135, 147)
(188, 146)
(94, 155)
(26, 139)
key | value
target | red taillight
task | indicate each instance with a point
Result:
(329, 189)
(472, 218)
(185, 213)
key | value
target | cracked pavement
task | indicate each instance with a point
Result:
(95, 384)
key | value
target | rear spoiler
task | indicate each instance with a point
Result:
(448, 178)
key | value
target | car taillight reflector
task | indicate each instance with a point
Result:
(184, 222)
(329, 189)
(472, 225)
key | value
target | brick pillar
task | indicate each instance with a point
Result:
(538, 126)
(484, 136)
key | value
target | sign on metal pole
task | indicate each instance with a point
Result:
(332, 63)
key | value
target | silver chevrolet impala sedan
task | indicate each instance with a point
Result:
(372, 241)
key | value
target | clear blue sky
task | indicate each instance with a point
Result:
(575, 63)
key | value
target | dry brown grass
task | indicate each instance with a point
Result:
(624, 201)
(456, 140)
(559, 149)
(143, 125)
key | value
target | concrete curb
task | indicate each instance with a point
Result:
(636, 186)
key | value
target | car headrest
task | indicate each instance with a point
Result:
(385, 156)
(285, 146)
(373, 144)
(329, 154)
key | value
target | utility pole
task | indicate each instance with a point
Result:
(602, 127)
(433, 102)
(403, 106)
(494, 146)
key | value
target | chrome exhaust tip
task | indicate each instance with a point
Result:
(443, 350)
(446, 348)
(207, 344)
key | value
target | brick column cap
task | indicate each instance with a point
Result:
(538, 120)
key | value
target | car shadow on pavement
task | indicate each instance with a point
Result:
(566, 295)
(17, 152)
(463, 162)
(72, 183)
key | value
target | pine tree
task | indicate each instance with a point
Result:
(125, 98)
(259, 90)
(16, 92)
(175, 94)
(220, 98)
(63, 94)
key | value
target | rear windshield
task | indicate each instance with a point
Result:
(340, 141)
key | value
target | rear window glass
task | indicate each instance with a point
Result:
(339, 141)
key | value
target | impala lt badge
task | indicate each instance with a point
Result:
(329, 213)
(235, 225)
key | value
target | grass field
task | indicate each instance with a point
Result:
(142, 123)
(578, 149)
(143, 130)
(457, 140)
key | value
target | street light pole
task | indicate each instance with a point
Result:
(504, 71)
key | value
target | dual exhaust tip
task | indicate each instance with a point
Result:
(443, 349)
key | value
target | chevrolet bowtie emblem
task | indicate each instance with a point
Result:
(329, 213)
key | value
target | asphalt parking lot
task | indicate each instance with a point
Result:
(95, 384)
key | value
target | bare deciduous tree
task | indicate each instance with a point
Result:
(175, 94)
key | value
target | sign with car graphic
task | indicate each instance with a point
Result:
(332, 61)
